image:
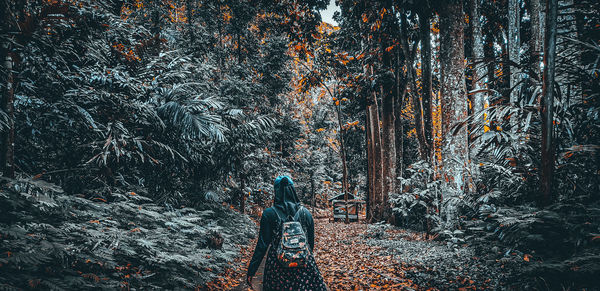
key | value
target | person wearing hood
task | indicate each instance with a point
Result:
(285, 204)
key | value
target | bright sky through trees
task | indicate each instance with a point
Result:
(327, 14)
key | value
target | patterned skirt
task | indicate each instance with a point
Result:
(278, 278)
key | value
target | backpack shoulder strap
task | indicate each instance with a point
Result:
(277, 229)
(276, 213)
(298, 212)
(280, 220)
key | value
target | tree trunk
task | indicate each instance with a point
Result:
(535, 49)
(535, 38)
(370, 165)
(477, 66)
(343, 156)
(426, 77)
(7, 138)
(377, 197)
(388, 138)
(312, 190)
(567, 51)
(416, 99)
(388, 130)
(514, 46)
(244, 194)
(7, 96)
(454, 104)
(547, 108)
(490, 56)
(401, 89)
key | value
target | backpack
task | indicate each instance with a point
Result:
(292, 250)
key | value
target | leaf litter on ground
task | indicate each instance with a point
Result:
(361, 256)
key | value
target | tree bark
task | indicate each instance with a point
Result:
(535, 38)
(389, 148)
(490, 56)
(426, 77)
(477, 66)
(312, 191)
(454, 105)
(344, 164)
(7, 138)
(370, 165)
(388, 128)
(400, 91)
(377, 197)
(7, 96)
(568, 52)
(547, 108)
(514, 47)
(244, 194)
(416, 99)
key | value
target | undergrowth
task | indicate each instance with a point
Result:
(51, 240)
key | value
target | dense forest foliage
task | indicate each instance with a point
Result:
(139, 138)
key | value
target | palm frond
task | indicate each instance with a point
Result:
(192, 121)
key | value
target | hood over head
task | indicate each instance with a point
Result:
(286, 200)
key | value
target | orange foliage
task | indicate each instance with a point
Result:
(177, 12)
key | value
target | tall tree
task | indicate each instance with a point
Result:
(478, 73)
(454, 104)
(375, 159)
(535, 37)
(514, 46)
(547, 106)
(426, 74)
(417, 101)
(7, 138)
(388, 96)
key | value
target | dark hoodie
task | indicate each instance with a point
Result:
(285, 204)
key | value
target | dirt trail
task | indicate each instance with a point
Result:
(359, 256)
(348, 262)
(344, 258)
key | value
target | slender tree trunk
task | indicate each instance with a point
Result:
(454, 104)
(490, 56)
(426, 77)
(568, 52)
(377, 197)
(388, 131)
(343, 156)
(478, 75)
(477, 55)
(416, 99)
(547, 108)
(400, 91)
(535, 49)
(7, 138)
(7, 96)
(370, 165)
(514, 46)
(244, 194)
(389, 148)
(535, 38)
(155, 18)
(312, 190)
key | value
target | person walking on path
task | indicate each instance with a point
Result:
(276, 276)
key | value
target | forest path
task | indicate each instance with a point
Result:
(348, 261)
(345, 259)
(361, 256)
